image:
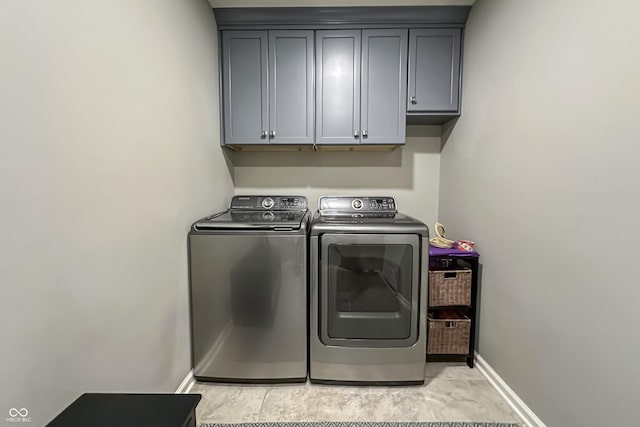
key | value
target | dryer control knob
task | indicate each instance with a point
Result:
(267, 203)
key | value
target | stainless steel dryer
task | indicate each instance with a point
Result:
(368, 293)
(248, 291)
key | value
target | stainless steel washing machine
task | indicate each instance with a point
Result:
(248, 291)
(368, 293)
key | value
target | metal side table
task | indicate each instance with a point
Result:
(462, 259)
(130, 410)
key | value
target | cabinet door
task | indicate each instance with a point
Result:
(244, 87)
(338, 87)
(384, 86)
(291, 87)
(434, 70)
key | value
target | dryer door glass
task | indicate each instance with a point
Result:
(369, 290)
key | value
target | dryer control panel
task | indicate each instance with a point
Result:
(347, 205)
(267, 203)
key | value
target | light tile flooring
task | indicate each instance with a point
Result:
(452, 392)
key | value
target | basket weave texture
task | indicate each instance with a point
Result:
(448, 336)
(449, 287)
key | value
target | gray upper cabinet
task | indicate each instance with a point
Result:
(434, 70)
(291, 87)
(361, 86)
(268, 87)
(353, 86)
(338, 87)
(384, 86)
(244, 76)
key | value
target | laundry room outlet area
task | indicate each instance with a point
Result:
(276, 211)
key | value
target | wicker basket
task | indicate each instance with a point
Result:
(448, 336)
(450, 287)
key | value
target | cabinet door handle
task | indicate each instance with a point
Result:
(263, 135)
(413, 100)
(365, 134)
(356, 134)
(272, 134)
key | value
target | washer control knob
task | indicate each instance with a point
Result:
(267, 203)
(268, 216)
(356, 204)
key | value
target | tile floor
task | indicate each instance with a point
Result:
(452, 392)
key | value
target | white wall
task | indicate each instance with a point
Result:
(410, 174)
(109, 149)
(541, 171)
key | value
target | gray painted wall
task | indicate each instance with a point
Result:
(410, 174)
(541, 171)
(109, 149)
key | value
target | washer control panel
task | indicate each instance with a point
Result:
(266, 203)
(337, 205)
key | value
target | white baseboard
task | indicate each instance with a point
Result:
(186, 384)
(517, 404)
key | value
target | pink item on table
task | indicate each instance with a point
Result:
(465, 245)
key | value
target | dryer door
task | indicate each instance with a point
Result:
(369, 289)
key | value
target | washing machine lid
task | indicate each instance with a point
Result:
(262, 212)
(253, 220)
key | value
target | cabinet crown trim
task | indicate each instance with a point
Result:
(407, 16)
